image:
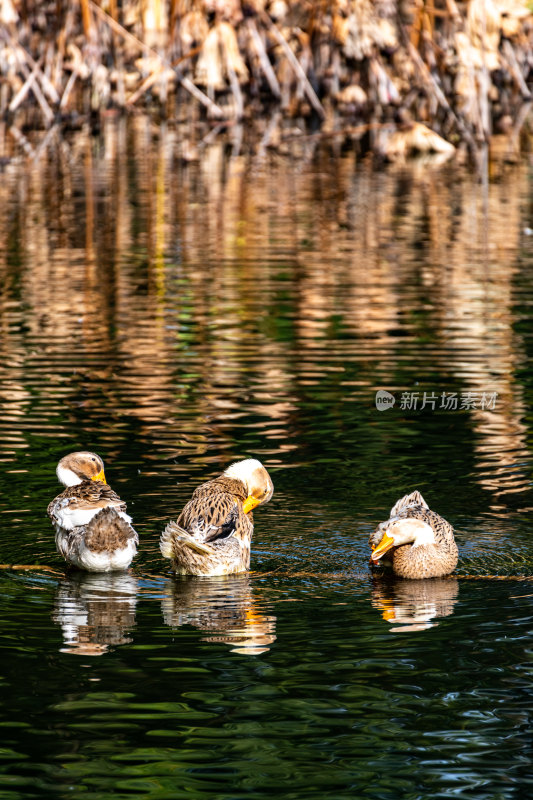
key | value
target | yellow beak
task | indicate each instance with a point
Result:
(100, 477)
(250, 503)
(386, 543)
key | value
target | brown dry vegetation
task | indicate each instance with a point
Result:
(393, 76)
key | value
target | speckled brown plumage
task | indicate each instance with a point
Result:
(214, 517)
(213, 533)
(214, 511)
(431, 560)
(93, 530)
(106, 532)
(86, 495)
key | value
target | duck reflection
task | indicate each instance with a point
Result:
(224, 606)
(95, 611)
(413, 605)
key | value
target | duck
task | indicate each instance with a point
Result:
(213, 533)
(415, 541)
(93, 531)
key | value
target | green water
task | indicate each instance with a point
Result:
(175, 317)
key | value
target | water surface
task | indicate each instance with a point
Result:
(175, 316)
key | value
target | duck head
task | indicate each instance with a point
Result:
(402, 531)
(257, 481)
(80, 466)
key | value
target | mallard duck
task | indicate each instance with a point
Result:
(93, 530)
(419, 543)
(213, 532)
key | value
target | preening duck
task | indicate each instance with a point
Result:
(213, 533)
(416, 542)
(93, 531)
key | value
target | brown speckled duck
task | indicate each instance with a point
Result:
(93, 531)
(415, 541)
(213, 532)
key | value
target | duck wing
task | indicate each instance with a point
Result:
(444, 533)
(209, 517)
(77, 505)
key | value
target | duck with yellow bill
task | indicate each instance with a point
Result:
(415, 541)
(93, 530)
(212, 535)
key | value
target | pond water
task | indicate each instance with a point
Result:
(175, 315)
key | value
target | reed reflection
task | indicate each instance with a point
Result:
(414, 605)
(96, 611)
(192, 302)
(225, 607)
(484, 350)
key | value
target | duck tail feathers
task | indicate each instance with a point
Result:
(109, 530)
(413, 499)
(174, 536)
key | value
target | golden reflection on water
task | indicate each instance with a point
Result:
(414, 605)
(96, 612)
(224, 607)
(187, 297)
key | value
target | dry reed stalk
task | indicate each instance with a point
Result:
(523, 113)
(21, 140)
(453, 11)
(23, 54)
(154, 20)
(86, 18)
(90, 258)
(173, 15)
(23, 91)
(428, 78)
(363, 53)
(145, 85)
(266, 66)
(32, 567)
(271, 131)
(42, 147)
(68, 89)
(429, 17)
(486, 127)
(514, 68)
(434, 89)
(416, 26)
(187, 84)
(152, 78)
(31, 84)
(236, 90)
(210, 137)
(190, 87)
(296, 66)
(119, 57)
